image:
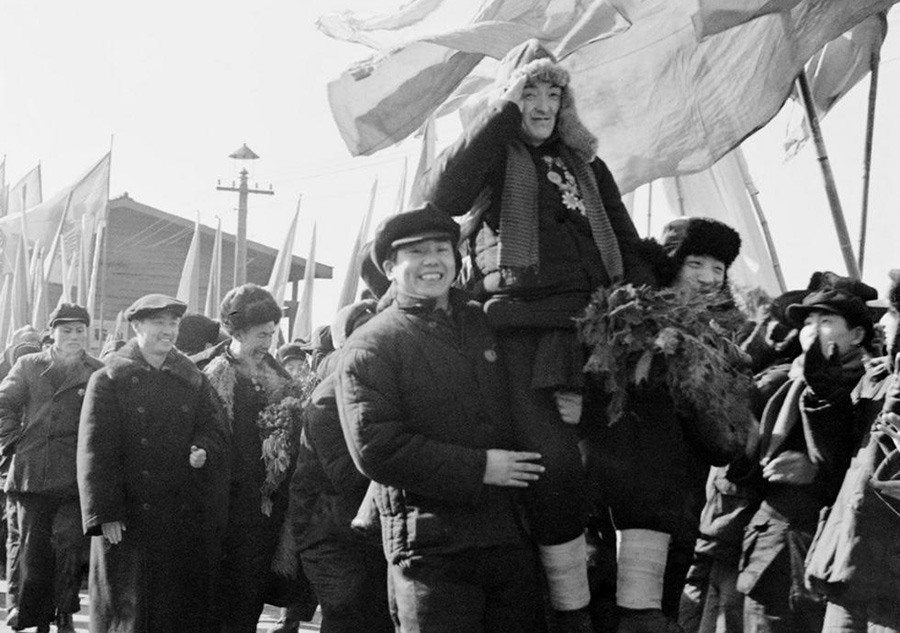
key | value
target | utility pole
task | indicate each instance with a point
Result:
(243, 190)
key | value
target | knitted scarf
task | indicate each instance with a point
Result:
(518, 248)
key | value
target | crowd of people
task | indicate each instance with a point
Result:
(531, 421)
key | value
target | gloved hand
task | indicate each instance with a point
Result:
(824, 374)
(487, 250)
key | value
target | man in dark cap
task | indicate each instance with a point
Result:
(425, 412)
(807, 437)
(149, 428)
(40, 405)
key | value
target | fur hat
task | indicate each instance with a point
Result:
(534, 60)
(246, 306)
(701, 236)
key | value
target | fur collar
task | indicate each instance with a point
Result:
(219, 366)
(129, 361)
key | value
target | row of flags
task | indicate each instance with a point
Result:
(58, 241)
(669, 86)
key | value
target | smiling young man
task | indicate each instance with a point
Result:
(425, 413)
(148, 424)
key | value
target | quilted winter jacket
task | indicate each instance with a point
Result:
(422, 397)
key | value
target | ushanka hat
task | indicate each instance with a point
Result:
(246, 306)
(701, 236)
(532, 59)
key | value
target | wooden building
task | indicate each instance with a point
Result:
(145, 252)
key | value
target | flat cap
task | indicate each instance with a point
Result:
(422, 223)
(320, 340)
(69, 312)
(847, 300)
(290, 351)
(148, 305)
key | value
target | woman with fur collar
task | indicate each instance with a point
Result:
(247, 379)
(543, 226)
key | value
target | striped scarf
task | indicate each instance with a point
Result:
(518, 248)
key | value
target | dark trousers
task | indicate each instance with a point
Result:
(350, 581)
(50, 556)
(12, 554)
(244, 573)
(477, 591)
(557, 501)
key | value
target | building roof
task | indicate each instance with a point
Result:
(255, 250)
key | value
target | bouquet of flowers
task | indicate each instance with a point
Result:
(279, 425)
(625, 328)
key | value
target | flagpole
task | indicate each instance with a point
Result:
(112, 138)
(867, 157)
(54, 246)
(834, 201)
(649, 205)
(753, 192)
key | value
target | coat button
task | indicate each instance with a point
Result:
(185, 408)
(134, 379)
(146, 506)
(144, 441)
(145, 474)
(141, 410)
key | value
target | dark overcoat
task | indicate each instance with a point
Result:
(39, 423)
(138, 424)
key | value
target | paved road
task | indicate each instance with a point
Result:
(269, 615)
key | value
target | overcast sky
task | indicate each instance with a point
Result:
(181, 85)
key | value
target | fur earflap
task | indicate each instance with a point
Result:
(246, 306)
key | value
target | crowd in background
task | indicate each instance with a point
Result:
(531, 421)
